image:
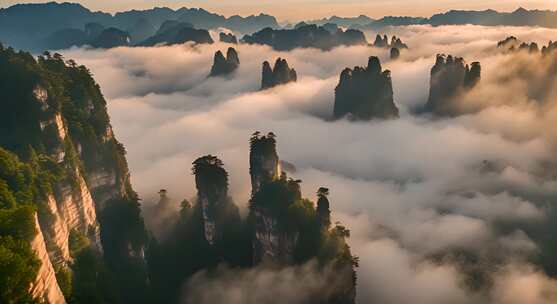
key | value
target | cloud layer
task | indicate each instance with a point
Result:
(452, 210)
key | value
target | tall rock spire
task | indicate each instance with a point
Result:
(264, 160)
(211, 181)
(225, 65)
(281, 73)
(365, 93)
(450, 76)
(323, 208)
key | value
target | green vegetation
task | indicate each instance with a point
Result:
(20, 184)
(18, 268)
(185, 251)
(35, 94)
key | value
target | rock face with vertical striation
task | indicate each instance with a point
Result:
(270, 243)
(282, 230)
(45, 287)
(225, 65)
(365, 93)
(288, 228)
(450, 76)
(63, 130)
(211, 181)
(280, 74)
(264, 161)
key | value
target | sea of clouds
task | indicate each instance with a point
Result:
(441, 210)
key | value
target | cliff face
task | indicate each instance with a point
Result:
(45, 286)
(225, 65)
(365, 93)
(283, 233)
(70, 205)
(280, 74)
(270, 243)
(211, 181)
(450, 76)
(62, 121)
(264, 161)
(282, 229)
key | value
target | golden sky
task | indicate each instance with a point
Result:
(293, 10)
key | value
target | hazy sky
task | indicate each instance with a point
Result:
(304, 9)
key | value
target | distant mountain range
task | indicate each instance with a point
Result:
(26, 26)
(520, 17)
(37, 27)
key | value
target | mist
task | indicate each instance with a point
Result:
(421, 195)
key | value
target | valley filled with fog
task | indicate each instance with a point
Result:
(450, 209)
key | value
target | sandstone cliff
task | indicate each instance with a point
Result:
(63, 130)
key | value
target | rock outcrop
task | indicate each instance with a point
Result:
(271, 243)
(450, 76)
(74, 196)
(280, 74)
(45, 287)
(510, 42)
(383, 42)
(283, 236)
(365, 93)
(282, 229)
(211, 181)
(323, 208)
(306, 36)
(513, 44)
(228, 38)
(395, 53)
(264, 161)
(225, 65)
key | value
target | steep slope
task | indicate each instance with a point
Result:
(54, 118)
